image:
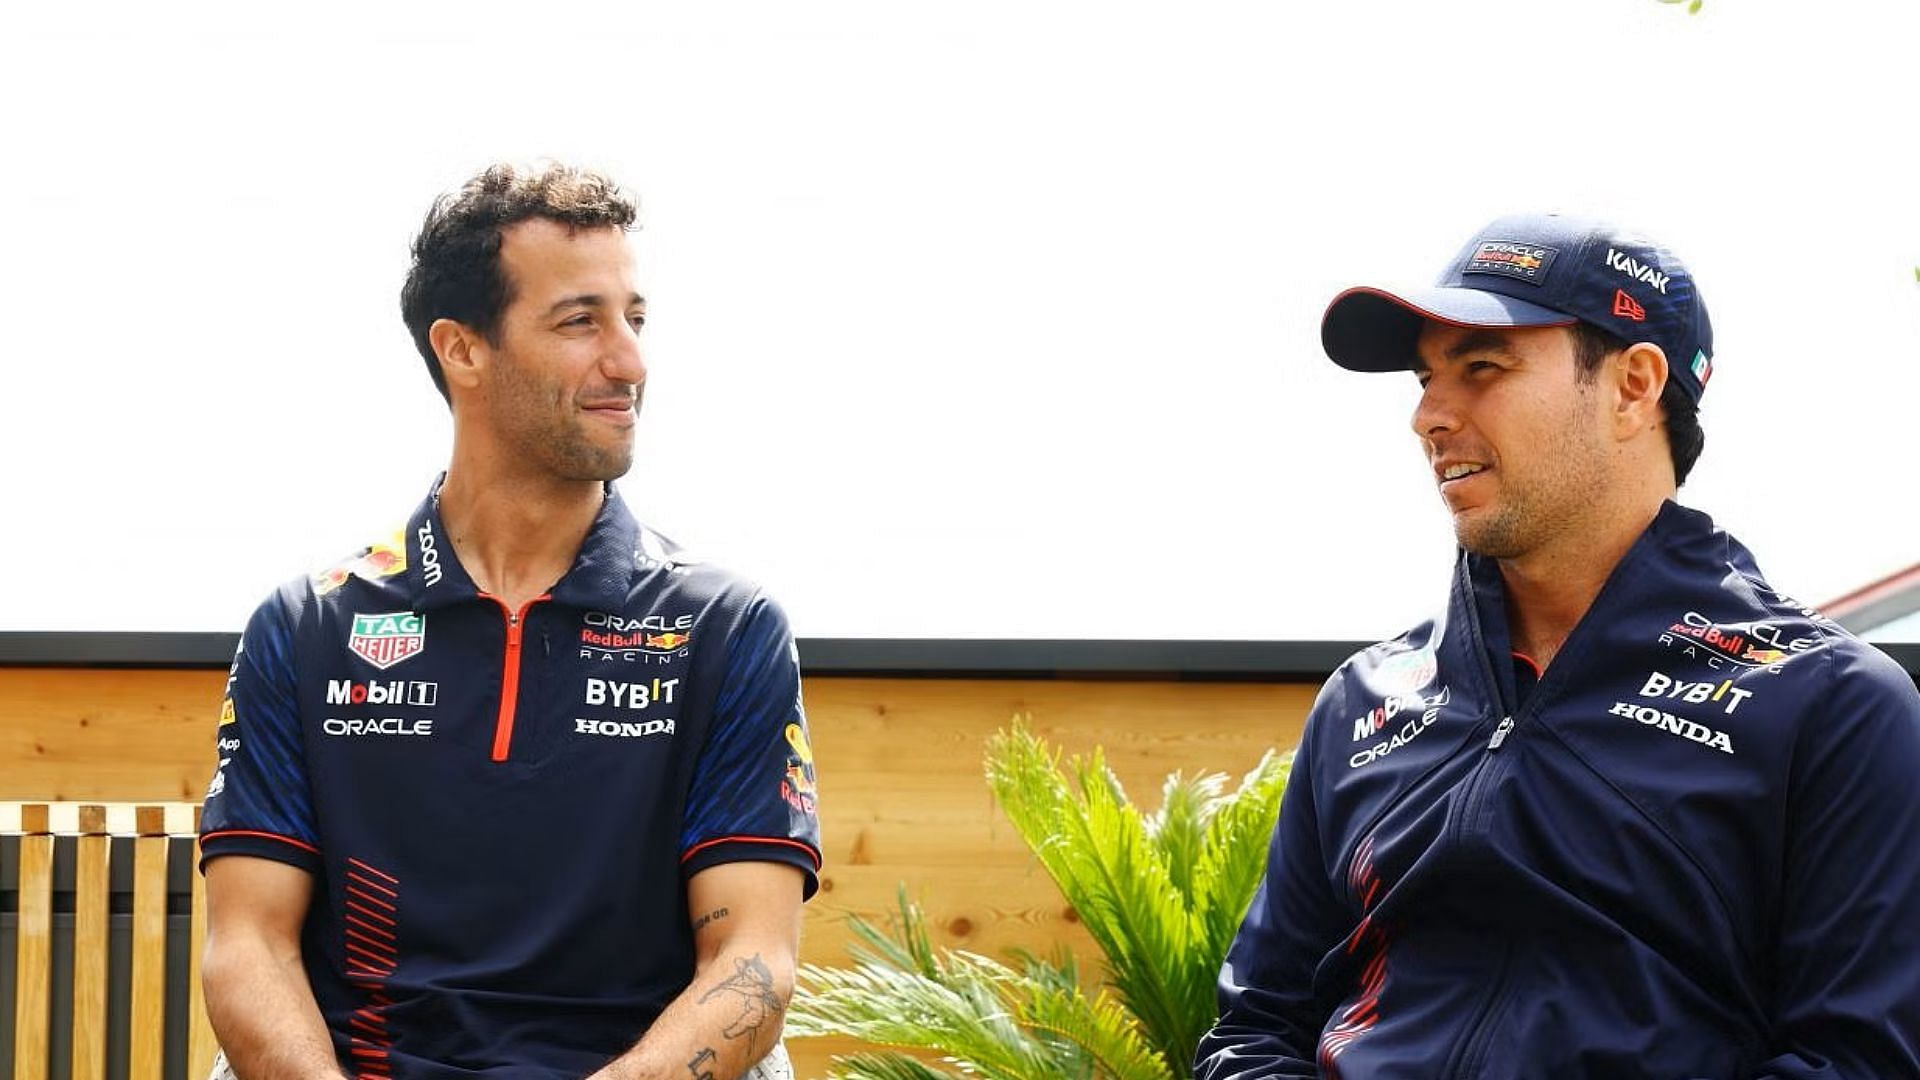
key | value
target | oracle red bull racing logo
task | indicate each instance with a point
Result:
(614, 637)
(386, 640)
(1748, 644)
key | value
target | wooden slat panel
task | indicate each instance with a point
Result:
(147, 1012)
(32, 971)
(903, 796)
(904, 799)
(115, 735)
(201, 1045)
(108, 736)
(90, 906)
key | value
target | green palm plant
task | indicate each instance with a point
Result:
(1161, 894)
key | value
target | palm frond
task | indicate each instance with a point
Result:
(902, 993)
(1177, 827)
(1094, 844)
(1161, 894)
(1233, 854)
(890, 1066)
(969, 1022)
(1103, 1028)
(905, 943)
(1059, 971)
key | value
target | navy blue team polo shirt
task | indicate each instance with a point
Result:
(501, 808)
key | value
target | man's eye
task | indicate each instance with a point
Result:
(578, 320)
(1482, 365)
(637, 321)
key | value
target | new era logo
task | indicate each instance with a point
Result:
(1626, 307)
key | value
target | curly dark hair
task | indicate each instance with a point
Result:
(1685, 440)
(456, 272)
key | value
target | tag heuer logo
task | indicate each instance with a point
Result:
(385, 640)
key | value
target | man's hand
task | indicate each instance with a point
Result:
(746, 933)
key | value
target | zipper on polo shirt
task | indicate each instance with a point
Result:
(510, 674)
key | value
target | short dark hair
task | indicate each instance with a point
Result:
(1685, 440)
(456, 272)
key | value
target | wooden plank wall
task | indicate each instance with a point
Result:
(902, 797)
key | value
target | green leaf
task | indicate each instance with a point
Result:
(1103, 1028)
(891, 1066)
(1162, 894)
(1176, 828)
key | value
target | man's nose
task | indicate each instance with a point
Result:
(623, 361)
(1437, 411)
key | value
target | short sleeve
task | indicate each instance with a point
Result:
(259, 802)
(753, 796)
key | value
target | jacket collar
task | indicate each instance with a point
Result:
(1647, 570)
(600, 578)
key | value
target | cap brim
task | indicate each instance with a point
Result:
(1369, 329)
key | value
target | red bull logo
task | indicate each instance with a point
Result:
(797, 786)
(379, 561)
(613, 640)
(1752, 644)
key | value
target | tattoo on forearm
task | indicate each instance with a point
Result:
(712, 916)
(698, 1065)
(751, 987)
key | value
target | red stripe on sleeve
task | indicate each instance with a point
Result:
(705, 844)
(301, 844)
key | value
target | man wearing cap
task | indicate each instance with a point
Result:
(1623, 809)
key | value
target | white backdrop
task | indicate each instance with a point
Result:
(977, 319)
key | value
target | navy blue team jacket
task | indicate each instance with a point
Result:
(1691, 851)
(501, 809)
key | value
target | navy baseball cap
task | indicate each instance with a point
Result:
(1536, 270)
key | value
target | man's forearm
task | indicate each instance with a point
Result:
(264, 1015)
(727, 1019)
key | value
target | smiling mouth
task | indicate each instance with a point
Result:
(1460, 470)
(618, 413)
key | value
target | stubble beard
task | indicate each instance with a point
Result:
(1555, 501)
(545, 427)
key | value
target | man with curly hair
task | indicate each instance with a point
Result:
(522, 791)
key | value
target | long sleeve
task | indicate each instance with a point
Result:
(1271, 1018)
(1846, 1000)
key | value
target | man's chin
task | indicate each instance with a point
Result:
(614, 468)
(1481, 532)
(599, 464)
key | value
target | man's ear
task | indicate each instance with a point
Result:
(1640, 375)
(461, 350)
